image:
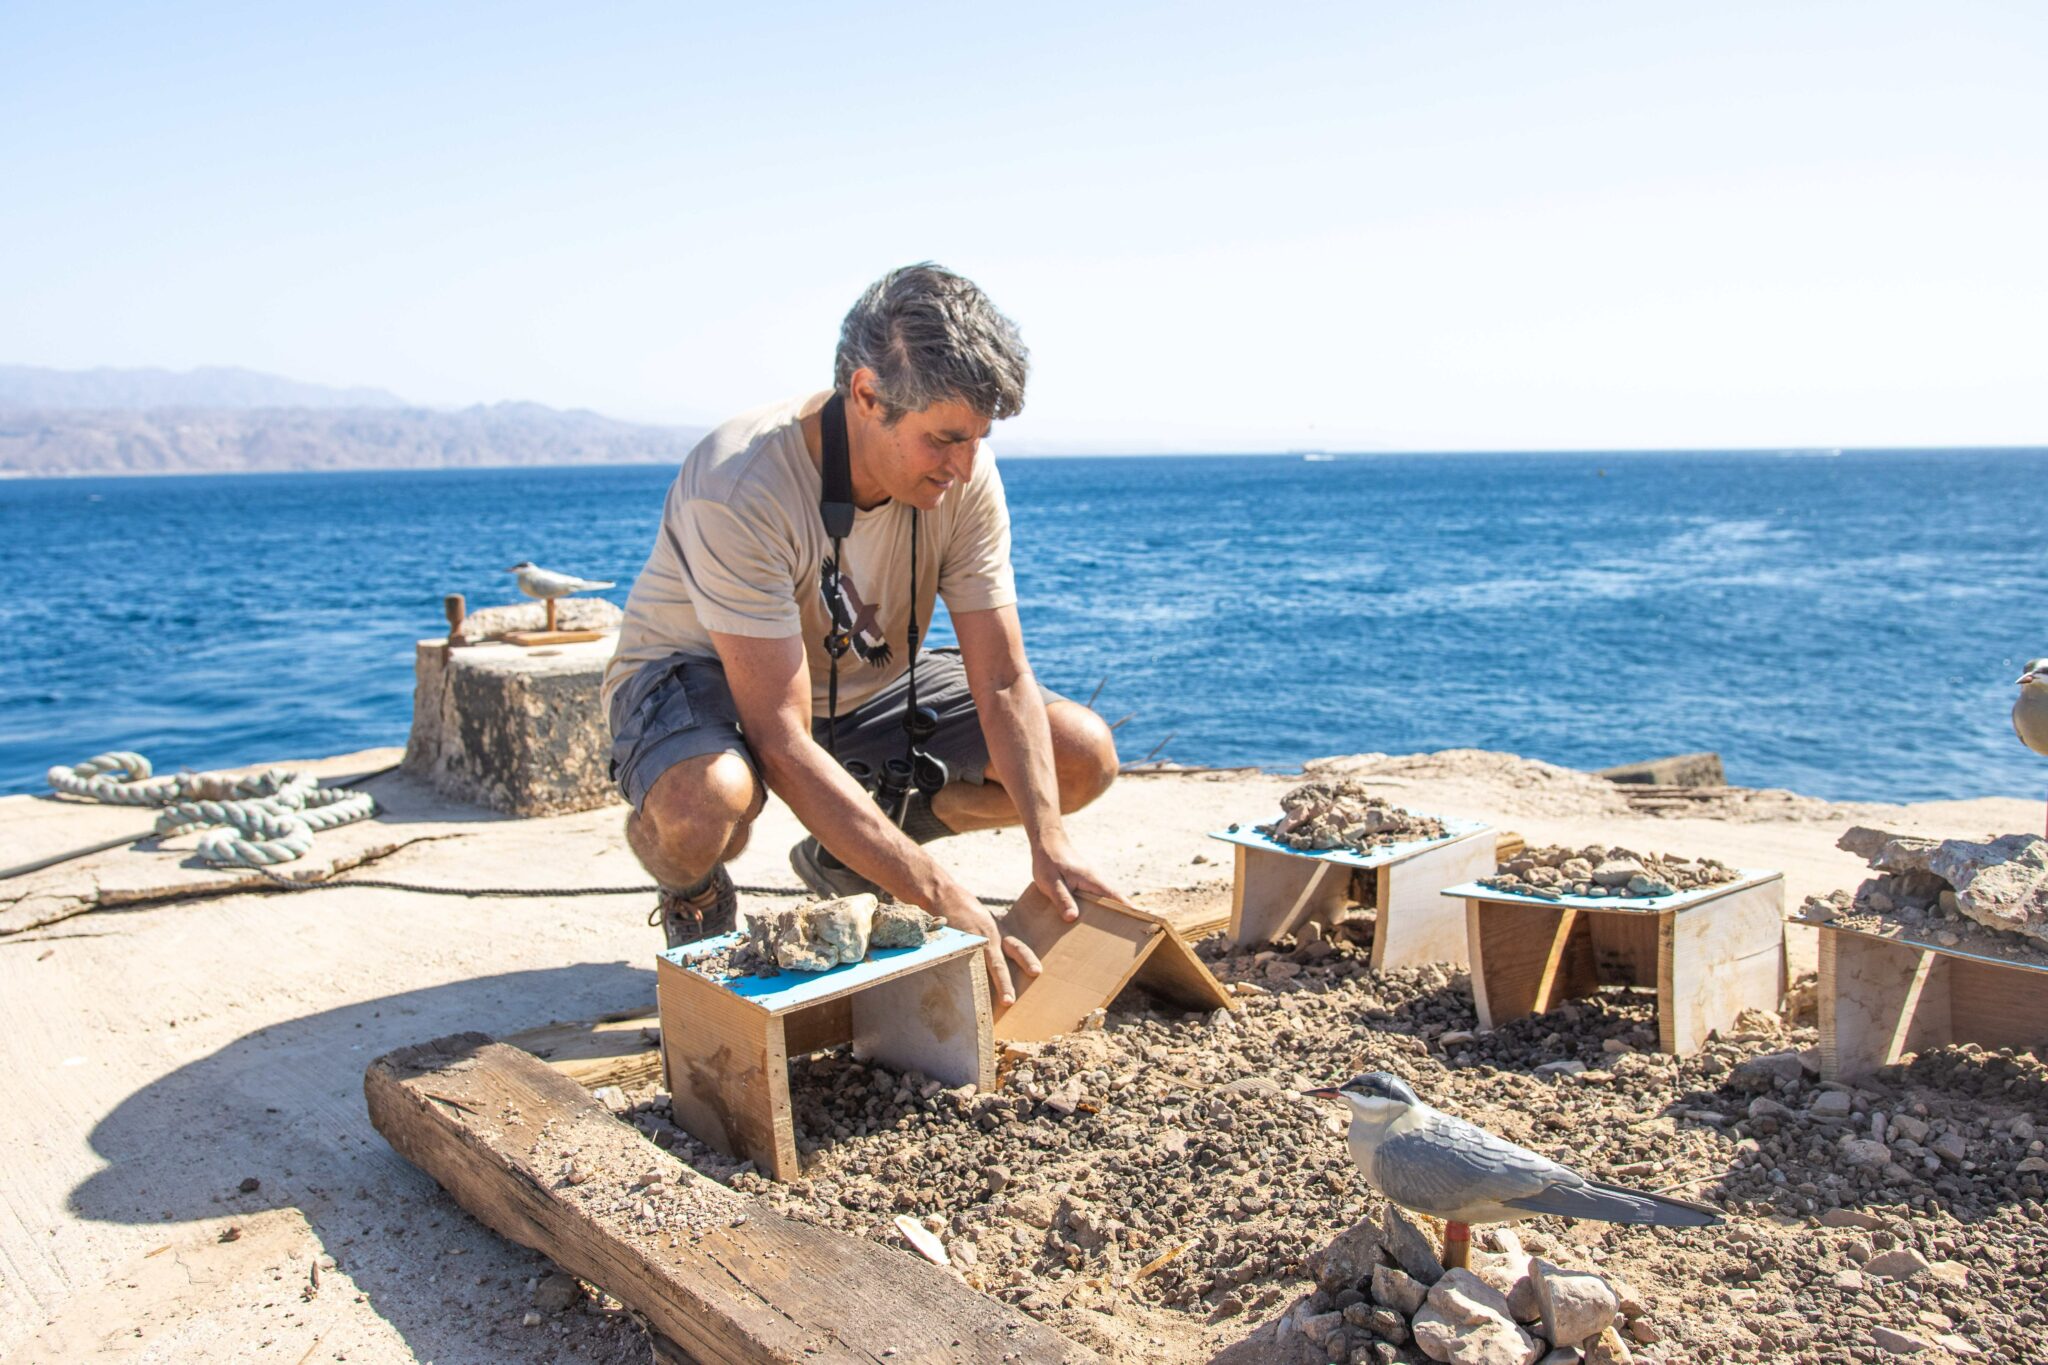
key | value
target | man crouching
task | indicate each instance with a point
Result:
(758, 635)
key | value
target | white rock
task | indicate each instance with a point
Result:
(1831, 1104)
(1508, 1272)
(1466, 1322)
(1398, 1290)
(1608, 1348)
(1575, 1307)
(1864, 1152)
(1900, 1263)
(1900, 1343)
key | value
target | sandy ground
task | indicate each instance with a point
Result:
(163, 1054)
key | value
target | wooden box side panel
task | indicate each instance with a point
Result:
(1416, 924)
(1870, 994)
(934, 1021)
(1086, 964)
(1518, 955)
(1997, 1006)
(1273, 892)
(727, 1068)
(1716, 960)
(1173, 971)
(1624, 949)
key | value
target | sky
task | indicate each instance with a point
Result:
(1355, 226)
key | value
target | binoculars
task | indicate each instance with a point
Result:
(918, 771)
(891, 786)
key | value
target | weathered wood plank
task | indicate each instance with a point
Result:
(725, 1278)
(622, 1048)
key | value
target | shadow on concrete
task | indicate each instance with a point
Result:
(284, 1105)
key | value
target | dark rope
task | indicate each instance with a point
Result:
(512, 892)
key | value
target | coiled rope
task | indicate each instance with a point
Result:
(268, 817)
(274, 815)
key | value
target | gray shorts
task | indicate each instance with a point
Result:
(681, 708)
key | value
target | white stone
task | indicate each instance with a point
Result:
(1900, 1263)
(1576, 1307)
(1900, 1343)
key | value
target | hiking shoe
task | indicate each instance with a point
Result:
(825, 874)
(712, 911)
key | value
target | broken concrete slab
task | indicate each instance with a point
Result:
(2000, 883)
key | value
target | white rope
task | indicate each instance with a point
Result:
(269, 817)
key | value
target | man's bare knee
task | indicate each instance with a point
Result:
(1083, 753)
(695, 814)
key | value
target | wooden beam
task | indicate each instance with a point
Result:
(716, 1273)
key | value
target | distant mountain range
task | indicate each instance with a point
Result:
(226, 420)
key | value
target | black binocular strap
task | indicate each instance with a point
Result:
(835, 506)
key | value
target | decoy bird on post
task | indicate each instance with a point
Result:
(1431, 1162)
(2030, 712)
(547, 585)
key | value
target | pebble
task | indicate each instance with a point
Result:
(1851, 1218)
(1831, 1104)
(1900, 1263)
(1900, 1343)
(556, 1292)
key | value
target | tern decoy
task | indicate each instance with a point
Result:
(1431, 1162)
(547, 585)
(2030, 712)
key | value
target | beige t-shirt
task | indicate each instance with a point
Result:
(741, 548)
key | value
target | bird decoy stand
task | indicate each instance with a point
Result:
(1277, 889)
(549, 635)
(726, 1041)
(1883, 996)
(1090, 962)
(1709, 954)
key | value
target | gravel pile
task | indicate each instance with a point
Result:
(1159, 1189)
(1324, 816)
(1556, 871)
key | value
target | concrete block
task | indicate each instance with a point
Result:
(1680, 770)
(516, 730)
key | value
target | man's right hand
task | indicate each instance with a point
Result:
(771, 689)
(961, 910)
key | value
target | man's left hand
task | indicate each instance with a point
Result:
(1059, 875)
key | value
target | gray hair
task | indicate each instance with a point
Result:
(930, 335)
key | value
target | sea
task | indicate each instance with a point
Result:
(1843, 624)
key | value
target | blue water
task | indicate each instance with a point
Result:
(1848, 627)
